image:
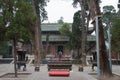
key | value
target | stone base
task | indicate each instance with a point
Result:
(80, 68)
(37, 68)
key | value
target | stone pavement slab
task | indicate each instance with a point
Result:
(116, 69)
(43, 74)
(74, 75)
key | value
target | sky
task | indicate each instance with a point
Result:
(64, 8)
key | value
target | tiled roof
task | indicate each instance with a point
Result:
(56, 27)
(64, 38)
(51, 26)
(55, 38)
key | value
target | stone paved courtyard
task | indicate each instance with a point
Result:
(43, 73)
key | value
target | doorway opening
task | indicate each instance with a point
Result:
(60, 49)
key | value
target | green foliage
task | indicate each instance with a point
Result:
(109, 14)
(40, 10)
(109, 8)
(76, 26)
(74, 34)
(60, 21)
(116, 36)
(21, 17)
(77, 29)
(75, 3)
(4, 48)
(65, 30)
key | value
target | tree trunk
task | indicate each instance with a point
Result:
(82, 2)
(37, 47)
(40, 38)
(87, 26)
(15, 57)
(37, 40)
(104, 63)
(78, 53)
